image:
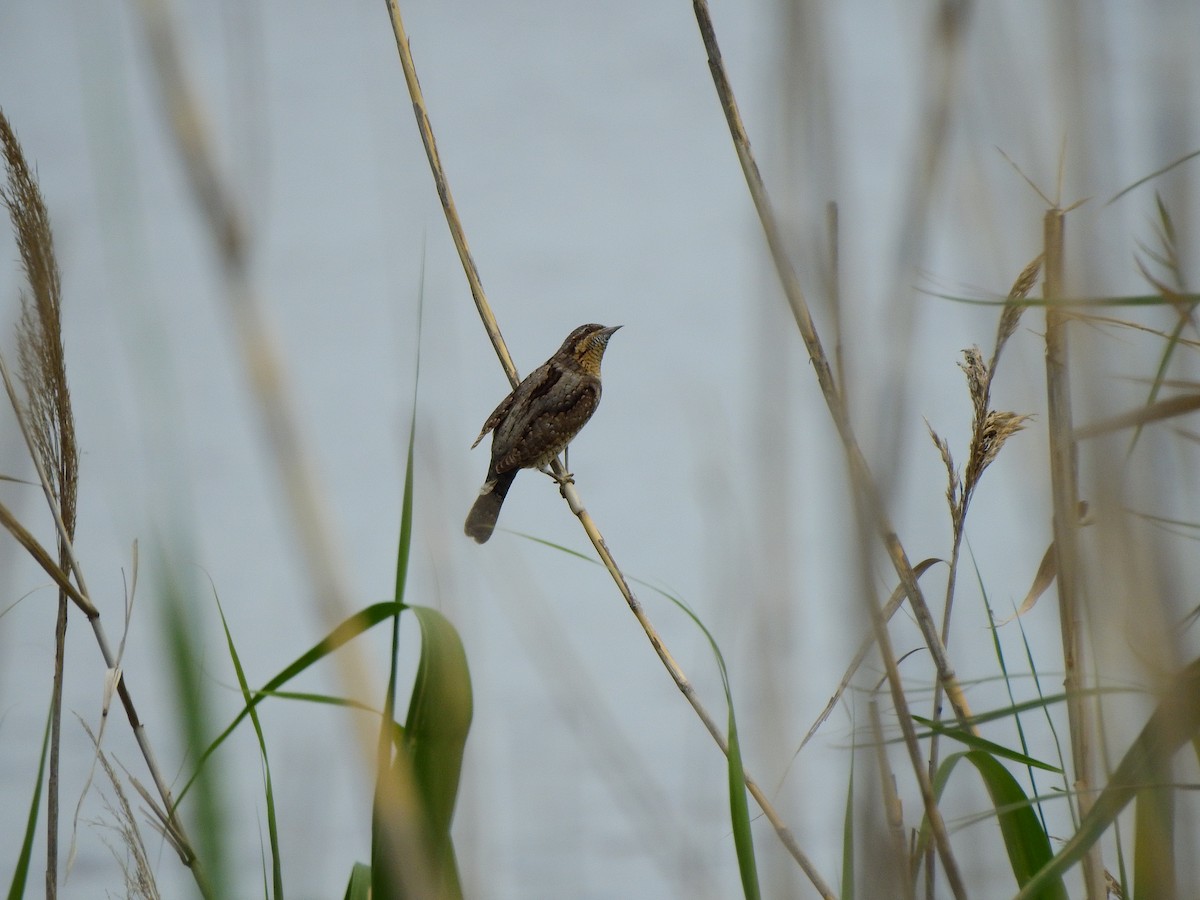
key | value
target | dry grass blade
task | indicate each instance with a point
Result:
(953, 482)
(43, 559)
(1013, 308)
(1167, 168)
(1046, 573)
(1162, 409)
(165, 824)
(895, 601)
(136, 867)
(1175, 296)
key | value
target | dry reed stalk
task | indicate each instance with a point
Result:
(568, 489)
(861, 477)
(897, 856)
(1064, 476)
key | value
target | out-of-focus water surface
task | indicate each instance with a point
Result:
(597, 182)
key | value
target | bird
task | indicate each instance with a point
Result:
(535, 422)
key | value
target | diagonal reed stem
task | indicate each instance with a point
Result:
(861, 477)
(569, 492)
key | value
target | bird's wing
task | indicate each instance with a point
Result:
(556, 418)
(494, 419)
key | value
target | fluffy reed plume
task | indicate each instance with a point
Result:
(1014, 307)
(49, 423)
(135, 861)
(39, 332)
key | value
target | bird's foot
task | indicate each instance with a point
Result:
(561, 480)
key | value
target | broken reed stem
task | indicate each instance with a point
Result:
(569, 492)
(1064, 474)
(860, 472)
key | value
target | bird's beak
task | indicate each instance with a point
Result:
(608, 332)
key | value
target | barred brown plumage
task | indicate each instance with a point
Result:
(534, 423)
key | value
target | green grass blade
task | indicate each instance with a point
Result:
(406, 504)
(324, 699)
(16, 889)
(193, 703)
(1043, 702)
(382, 870)
(272, 826)
(975, 742)
(439, 715)
(1008, 682)
(359, 887)
(1025, 840)
(1174, 722)
(357, 624)
(739, 812)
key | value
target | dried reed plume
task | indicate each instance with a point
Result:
(39, 333)
(47, 408)
(990, 428)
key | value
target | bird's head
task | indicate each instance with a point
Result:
(585, 346)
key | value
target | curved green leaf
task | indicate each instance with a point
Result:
(431, 750)
(439, 717)
(1025, 841)
(1175, 721)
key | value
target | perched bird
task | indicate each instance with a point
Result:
(534, 423)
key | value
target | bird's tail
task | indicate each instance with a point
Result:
(481, 520)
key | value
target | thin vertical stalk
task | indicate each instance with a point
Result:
(896, 856)
(1064, 477)
(52, 780)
